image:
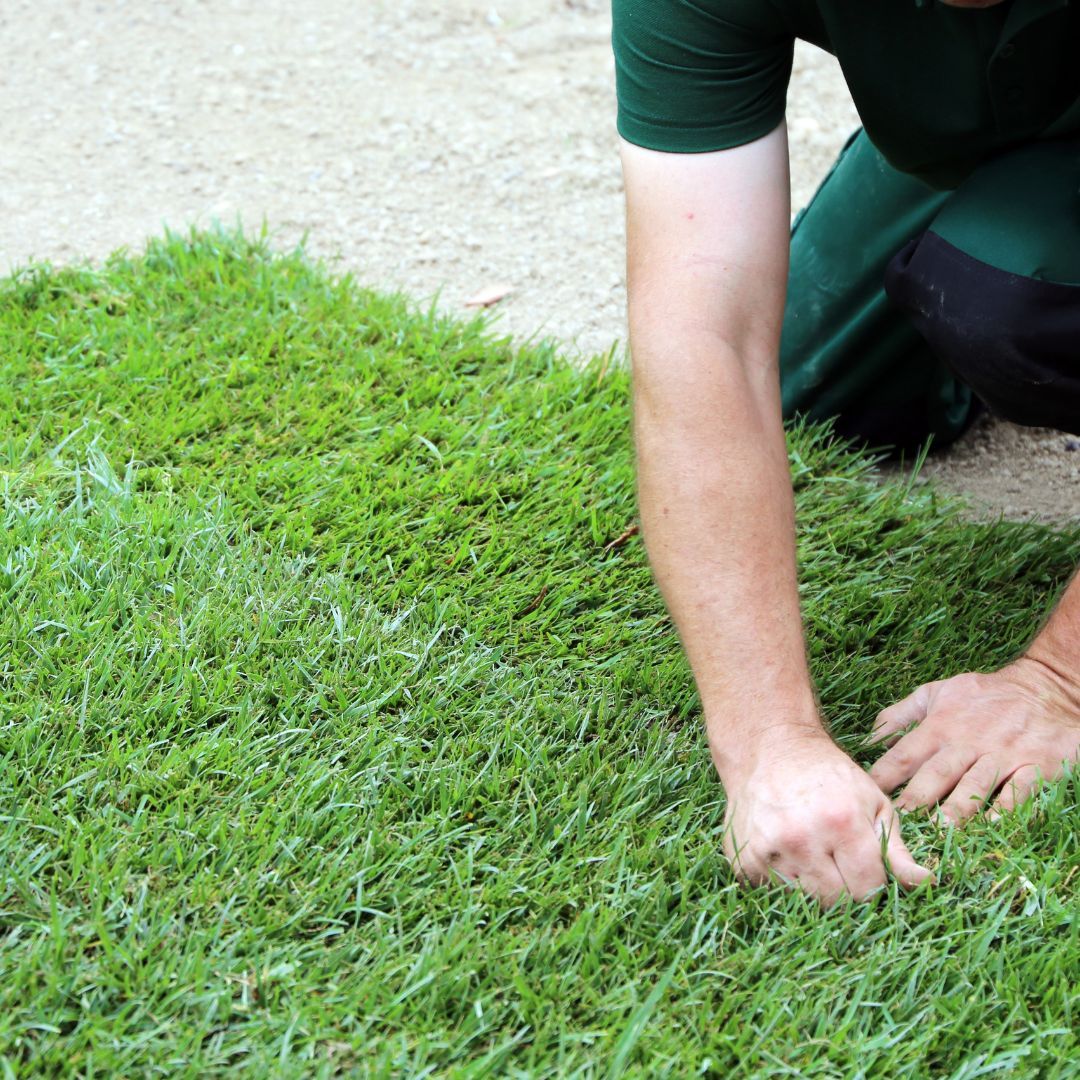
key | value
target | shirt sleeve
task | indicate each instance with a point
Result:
(699, 75)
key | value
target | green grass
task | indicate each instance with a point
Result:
(336, 739)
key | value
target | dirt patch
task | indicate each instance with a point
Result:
(438, 148)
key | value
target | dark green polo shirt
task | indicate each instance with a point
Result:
(938, 89)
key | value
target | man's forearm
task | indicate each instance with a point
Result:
(707, 254)
(718, 524)
(1057, 645)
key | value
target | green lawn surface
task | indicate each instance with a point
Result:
(339, 738)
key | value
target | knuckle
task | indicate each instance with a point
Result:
(742, 869)
(878, 771)
(899, 758)
(987, 771)
(838, 819)
(796, 840)
(788, 841)
(885, 715)
(962, 686)
(939, 768)
(761, 874)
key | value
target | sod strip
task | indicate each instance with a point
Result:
(343, 730)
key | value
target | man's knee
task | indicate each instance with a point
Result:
(1014, 340)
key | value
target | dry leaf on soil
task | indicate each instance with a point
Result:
(489, 296)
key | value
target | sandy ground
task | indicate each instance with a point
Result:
(437, 147)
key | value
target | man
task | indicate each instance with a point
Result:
(937, 268)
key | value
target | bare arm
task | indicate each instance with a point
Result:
(707, 250)
(1057, 645)
(707, 265)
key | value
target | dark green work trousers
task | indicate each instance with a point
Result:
(909, 310)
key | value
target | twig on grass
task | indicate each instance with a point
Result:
(622, 538)
(534, 605)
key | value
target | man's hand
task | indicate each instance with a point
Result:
(976, 734)
(810, 816)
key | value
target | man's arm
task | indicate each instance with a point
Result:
(978, 733)
(707, 250)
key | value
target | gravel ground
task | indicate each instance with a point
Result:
(440, 148)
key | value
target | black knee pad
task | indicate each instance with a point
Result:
(1014, 340)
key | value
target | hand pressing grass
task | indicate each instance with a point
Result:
(339, 735)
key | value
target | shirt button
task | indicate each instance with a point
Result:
(1006, 51)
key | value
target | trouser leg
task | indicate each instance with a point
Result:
(993, 285)
(846, 352)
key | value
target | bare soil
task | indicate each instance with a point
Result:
(440, 148)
